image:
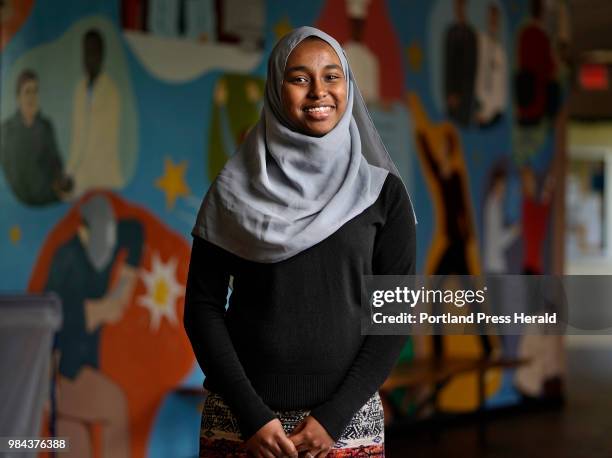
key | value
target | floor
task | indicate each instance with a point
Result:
(582, 428)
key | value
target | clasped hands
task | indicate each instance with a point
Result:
(308, 440)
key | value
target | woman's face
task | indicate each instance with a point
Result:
(314, 90)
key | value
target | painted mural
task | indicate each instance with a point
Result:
(116, 117)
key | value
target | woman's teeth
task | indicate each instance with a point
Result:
(318, 109)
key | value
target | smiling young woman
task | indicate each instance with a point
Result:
(308, 204)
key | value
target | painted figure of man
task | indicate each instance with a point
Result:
(363, 61)
(32, 164)
(94, 154)
(492, 74)
(460, 56)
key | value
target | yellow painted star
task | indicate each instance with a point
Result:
(282, 28)
(15, 234)
(415, 56)
(172, 183)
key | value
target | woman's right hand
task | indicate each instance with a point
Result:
(270, 441)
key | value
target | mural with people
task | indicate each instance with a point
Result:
(116, 119)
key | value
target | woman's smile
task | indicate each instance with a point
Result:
(319, 112)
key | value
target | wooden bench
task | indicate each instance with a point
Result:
(437, 373)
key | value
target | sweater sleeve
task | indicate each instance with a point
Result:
(394, 254)
(204, 321)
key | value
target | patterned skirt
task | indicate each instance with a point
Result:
(364, 436)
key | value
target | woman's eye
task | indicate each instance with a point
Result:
(299, 79)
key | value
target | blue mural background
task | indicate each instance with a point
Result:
(171, 121)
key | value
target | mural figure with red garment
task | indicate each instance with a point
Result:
(119, 273)
(536, 88)
(365, 30)
(536, 207)
(543, 377)
(364, 62)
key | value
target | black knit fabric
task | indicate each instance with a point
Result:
(291, 335)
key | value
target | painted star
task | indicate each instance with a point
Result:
(415, 56)
(172, 183)
(282, 28)
(15, 234)
(163, 290)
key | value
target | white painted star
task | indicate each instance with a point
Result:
(163, 290)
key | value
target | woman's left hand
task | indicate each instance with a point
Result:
(309, 436)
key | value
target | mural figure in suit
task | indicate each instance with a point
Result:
(537, 91)
(32, 164)
(460, 58)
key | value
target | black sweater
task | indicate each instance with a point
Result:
(291, 336)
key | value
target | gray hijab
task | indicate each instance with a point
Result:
(284, 191)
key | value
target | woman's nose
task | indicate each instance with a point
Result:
(317, 89)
